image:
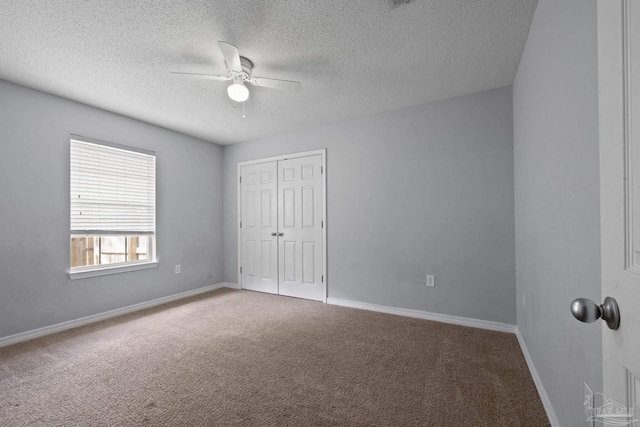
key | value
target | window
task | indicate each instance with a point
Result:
(113, 215)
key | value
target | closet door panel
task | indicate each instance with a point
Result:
(299, 212)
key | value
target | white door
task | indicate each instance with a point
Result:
(258, 227)
(300, 214)
(281, 236)
(619, 96)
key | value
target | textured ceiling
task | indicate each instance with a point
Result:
(353, 57)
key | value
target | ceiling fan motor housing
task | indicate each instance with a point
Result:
(247, 66)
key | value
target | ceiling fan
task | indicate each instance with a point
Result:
(239, 69)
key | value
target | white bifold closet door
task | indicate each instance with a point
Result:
(259, 221)
(282, 238)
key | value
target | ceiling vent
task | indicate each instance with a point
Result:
(397, 3)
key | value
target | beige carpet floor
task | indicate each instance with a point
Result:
(240, 358)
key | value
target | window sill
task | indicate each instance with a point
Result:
(107, 270)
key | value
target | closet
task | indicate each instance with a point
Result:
(282, 225)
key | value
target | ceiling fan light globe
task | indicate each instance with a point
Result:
(238, 92)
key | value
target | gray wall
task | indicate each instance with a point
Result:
(421, 190)
(555, 100)
(35, 290)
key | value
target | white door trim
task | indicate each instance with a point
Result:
(323, 153)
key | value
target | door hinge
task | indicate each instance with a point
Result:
(240, 180)
(240, 224)
(321, 224)
(321, 169)
(240, 270)
(322, 279)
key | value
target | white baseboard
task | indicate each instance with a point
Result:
(445, 318)
(546, 402)
(24, 336)
(231, 285)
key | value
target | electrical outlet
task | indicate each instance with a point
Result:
(431, 281)
(589, 403)
(177, 268)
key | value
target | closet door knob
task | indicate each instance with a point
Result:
(274, 234)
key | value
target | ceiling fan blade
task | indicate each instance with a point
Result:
(231, 56)
(276, 84)
(206, 76)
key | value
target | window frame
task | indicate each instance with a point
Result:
(86, 271)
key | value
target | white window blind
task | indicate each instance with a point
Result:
(112, 188)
